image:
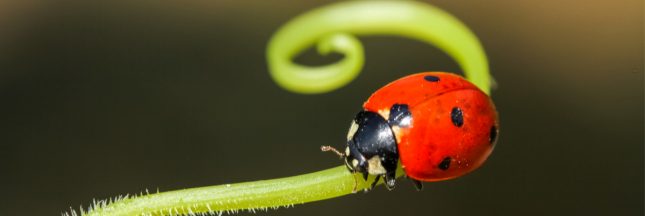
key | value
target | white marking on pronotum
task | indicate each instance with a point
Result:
(397, 133)
(352, 130)
(385, 113)
(375, 167)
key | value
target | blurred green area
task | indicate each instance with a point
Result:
(104, 98)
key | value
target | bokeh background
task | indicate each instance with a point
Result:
(102, 98)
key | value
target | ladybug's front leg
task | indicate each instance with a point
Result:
(417, 184)
(390, 179)
(378, 177)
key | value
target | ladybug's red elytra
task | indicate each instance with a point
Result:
(439, 125)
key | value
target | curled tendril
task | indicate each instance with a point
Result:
(329, 28)
(332, 28)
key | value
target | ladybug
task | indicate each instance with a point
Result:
(439, 125)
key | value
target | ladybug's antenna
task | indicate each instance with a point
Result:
(341, 155)
(329, 148)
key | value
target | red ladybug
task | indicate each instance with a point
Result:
(438, 124)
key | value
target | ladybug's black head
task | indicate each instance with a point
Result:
(371, 146)
(354, 161)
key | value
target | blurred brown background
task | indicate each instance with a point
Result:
(102, 98)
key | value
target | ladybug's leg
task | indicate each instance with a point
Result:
(417, 184)
(378, 177)
(362, 167)
(355, 184)
(390, 179)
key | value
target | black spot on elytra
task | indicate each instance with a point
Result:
(493, 135)
(457, 116)
(431, 78)
(445, 163)
(400, 116)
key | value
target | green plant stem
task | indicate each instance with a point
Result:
(330, 28)
(252, 196)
